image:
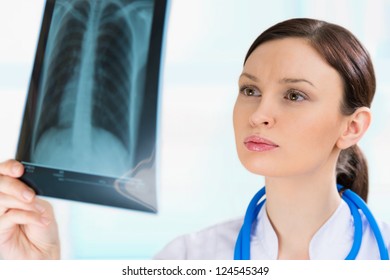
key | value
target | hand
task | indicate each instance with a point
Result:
(28, 229)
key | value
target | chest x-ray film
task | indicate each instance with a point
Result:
(89, 126)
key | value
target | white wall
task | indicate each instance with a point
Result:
(201, 181)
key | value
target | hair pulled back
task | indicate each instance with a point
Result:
(342, 51)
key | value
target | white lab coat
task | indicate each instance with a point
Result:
(332, 241)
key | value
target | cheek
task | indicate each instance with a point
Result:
(312, 140)
(240, 118)
(241, 127)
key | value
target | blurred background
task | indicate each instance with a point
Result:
(201, 181)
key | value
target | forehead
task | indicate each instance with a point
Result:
(290, 58)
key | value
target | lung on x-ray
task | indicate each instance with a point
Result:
(90, 122)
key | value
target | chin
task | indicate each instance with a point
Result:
(262, 167)
(271, 166)
(266, 172)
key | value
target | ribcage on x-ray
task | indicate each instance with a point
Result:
(91, 96)
(112, 75)
(66, 58)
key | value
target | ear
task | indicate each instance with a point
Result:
(357, 125)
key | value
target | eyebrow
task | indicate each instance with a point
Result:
(253, 78)
(284, 80)
(292, 81)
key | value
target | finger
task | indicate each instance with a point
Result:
(44, 207)
(19, 217)
(16, 188)
(11, 168)
(8, 202)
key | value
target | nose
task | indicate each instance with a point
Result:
(264, 115)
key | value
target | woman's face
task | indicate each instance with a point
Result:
(287, 116)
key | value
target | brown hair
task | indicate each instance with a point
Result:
(343, 51)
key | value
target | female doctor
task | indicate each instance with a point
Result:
(303, 105)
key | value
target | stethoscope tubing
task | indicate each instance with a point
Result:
(241, 250)
(360, 204)
(354, 202)
(358, 225)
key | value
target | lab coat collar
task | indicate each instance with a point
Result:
(332, 241)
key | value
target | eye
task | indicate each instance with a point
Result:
(249, 91)
(295, 95)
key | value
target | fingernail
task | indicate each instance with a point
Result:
(16, 169)
(40, 208)
(28, 195)
(45, 221)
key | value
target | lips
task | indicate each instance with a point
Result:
(258, 144)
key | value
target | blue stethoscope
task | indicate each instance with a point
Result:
(242, 248)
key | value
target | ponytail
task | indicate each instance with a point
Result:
(352, 171)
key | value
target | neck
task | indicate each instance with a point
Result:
(297, 207)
